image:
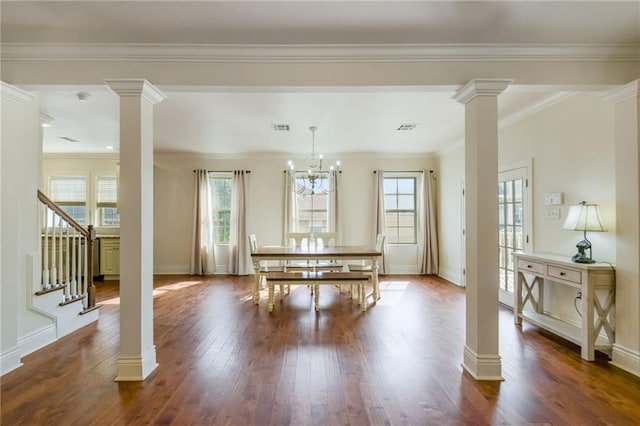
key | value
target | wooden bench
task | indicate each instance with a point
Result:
(315, 279)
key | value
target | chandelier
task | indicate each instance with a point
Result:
(315, 180)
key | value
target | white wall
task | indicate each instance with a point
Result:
(450, 225)
(571, 144)
(174, 202)
(572, 147)
(22, 328)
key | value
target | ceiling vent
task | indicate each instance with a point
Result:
(68, 139)
(281, 127)
(404, 127)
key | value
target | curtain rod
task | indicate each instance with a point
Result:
(403, 171)
(303, 171)
(223, 171)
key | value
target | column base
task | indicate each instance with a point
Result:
(482, 367)
(626, 359)
(136, 368)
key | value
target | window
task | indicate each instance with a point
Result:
(313, 209)
(70, 193)
(106, 201)
(400, 208)
(221, 207)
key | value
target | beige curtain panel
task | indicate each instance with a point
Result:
(202, 243)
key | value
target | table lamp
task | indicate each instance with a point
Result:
(584, 217)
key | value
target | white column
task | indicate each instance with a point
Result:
(137, 352)
(480, 97)
(626, 100)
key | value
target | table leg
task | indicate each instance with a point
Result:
(316, 296)
(374, 277)
(517, 306)
(256, 286)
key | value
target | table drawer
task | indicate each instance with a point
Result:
(564, 274)
(533, 267)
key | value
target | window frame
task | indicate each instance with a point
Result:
(325, 217)
(215, 211)
(414, 176)
(63, 203)
(100, 205)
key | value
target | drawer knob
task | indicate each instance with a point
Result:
(562, 274)
(529, 266)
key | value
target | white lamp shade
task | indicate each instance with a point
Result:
(584, 217)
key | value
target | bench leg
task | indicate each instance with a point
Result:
(363, 298)
(316, 296)
(271, 296)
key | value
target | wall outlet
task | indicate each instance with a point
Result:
(553, 213)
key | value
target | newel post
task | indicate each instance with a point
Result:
(91, 288)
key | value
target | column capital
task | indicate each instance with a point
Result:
(481, 87)
(14, 94)
(136, 88)
(622, 93)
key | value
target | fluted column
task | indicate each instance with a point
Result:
(480, 97)
(137, 351)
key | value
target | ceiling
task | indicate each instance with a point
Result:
(215, 120)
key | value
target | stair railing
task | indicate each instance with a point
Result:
(67, 255)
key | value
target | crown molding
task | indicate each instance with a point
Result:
(79, 156)
(622, 93)
(14, 94)
(283, 156)
(136, 88)
(538, 106)
(481, 87)
(151, 52)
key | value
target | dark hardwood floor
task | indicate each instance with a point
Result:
(224, 361)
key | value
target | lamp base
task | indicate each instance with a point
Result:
(581, 258)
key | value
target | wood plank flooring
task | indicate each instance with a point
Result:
(224, 361)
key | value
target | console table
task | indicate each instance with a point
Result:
(595, 281)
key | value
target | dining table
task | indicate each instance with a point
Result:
(285, 253)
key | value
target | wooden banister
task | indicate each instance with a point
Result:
(89, 233)
(56, 208)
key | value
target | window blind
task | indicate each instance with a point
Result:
(106, 191)
(69, 191)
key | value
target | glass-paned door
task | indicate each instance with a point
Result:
(512, 227)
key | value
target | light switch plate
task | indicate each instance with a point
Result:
(553, 213)
(553, 199)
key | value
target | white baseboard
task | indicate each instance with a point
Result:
(626, 359)
(37, 339)
(137, 368)
(482, 367)
(402, 270)
(453, 275)
(171, 269)
(10, 360)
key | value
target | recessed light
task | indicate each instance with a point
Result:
(83, 96)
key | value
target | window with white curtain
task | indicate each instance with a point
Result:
(400, 202)
(70, 193)
(106, 201)
(313, 209)
(221, 206)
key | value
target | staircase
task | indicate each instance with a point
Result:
(66, 292)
